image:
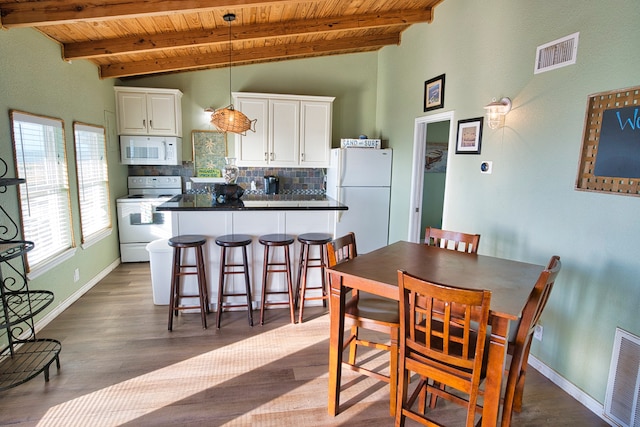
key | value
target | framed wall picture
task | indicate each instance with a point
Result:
(209, 151)
(434, 93)
(436, 157)
(610, 159)
(469, 136)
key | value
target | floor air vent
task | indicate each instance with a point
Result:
(622, 402)
(556, 54)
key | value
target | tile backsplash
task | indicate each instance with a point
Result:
(292, 180)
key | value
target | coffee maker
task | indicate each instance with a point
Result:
(271, 184)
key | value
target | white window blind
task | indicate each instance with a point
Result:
(44, 198)
(93, 180)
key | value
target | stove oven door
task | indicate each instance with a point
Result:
(138, 224)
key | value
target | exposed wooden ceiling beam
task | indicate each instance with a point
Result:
(244, 56)
(34, 13)
(122, 46)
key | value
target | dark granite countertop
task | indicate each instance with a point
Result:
(253, 202)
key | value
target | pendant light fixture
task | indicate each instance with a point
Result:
(228, 119)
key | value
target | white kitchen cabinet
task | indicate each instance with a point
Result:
(291, 130)
(284, 132)
(148, 111)
(253, 148)
(315, 133)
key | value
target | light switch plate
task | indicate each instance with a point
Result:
(486, 166)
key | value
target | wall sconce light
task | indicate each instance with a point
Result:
(496, 112)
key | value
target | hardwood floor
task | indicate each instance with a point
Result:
(120, 366)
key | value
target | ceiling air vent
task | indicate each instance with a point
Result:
(622, 400)
(556, 54)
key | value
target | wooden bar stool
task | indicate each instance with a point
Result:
(307, 241)
(233, 241)
(179, 243)
(284, 241)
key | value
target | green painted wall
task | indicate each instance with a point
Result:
(528, 209)
(33, 78)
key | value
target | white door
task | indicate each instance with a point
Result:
(367, 216)
(417, 176)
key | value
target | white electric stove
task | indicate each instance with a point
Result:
(138, 221)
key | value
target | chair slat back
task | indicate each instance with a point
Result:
(453, 240)
(520, 347)
(342, 249)
(443, 327)
(537, 301)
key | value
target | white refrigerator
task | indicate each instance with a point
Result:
(360, 178)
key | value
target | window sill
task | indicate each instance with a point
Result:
(52, 263)
(95, 238)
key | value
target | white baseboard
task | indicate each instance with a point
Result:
(569, 388)
(75, 296)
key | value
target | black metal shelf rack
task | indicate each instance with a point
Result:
(22, 355)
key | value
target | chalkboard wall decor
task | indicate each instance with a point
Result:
(610, 160)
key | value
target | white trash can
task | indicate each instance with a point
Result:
(161, 261)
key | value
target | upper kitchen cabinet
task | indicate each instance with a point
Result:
(148, 111)
(291, 130)
(315, 133)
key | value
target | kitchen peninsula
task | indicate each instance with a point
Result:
(255, 215)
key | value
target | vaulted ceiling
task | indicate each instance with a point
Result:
(125, 38)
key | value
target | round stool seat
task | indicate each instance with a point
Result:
(315, 238)
(187, 241)
(234, 240)
(277, 239)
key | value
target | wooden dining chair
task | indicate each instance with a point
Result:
(442, 339)
(364, 310)
(452, 240)
(519, 347)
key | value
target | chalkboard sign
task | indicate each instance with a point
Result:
(610, 160)
(619, 147)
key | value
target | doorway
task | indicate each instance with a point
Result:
(434, 128)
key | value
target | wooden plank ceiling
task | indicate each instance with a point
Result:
(126, 38)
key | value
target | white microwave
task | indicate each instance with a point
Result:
(150, 150)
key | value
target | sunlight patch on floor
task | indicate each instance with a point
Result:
(128, 400)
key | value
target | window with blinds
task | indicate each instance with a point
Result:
(39, 148)
(93, 180)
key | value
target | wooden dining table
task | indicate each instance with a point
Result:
(510, 283)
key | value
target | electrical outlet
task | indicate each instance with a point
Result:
(537, 332)
(76, 275)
